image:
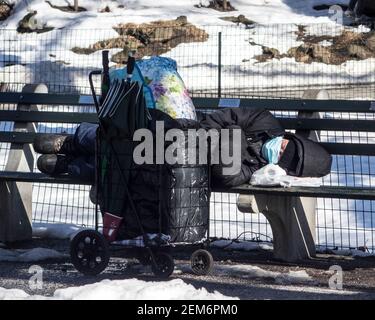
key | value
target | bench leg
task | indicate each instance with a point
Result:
(16, 197)
(292, 220)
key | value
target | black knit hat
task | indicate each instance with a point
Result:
(289, 158)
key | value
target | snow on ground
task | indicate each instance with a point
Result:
(242, 245)
(254, 272)
(276, 27)
(55, 230)
(352, 253)
(32, 255)
(131, 289)
(248, 271)
(261, 11)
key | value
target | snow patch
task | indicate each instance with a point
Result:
(130, 289)
(12, 294)
(352, 253)
(55, 230)
(242, 245)
(32, 255)
(251, 272)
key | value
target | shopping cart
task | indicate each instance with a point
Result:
(134, 198)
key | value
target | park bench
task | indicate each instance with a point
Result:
(290, 211)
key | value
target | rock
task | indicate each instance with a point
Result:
(5, 10)
(370, 41)
(321, 53)
(359, 52)
(29, 24)
(301, 54)
(220, 5)
(182, 20)
(240, 19)
(148, 39)
(268, 54)
(271, 52)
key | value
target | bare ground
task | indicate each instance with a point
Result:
(359, 275)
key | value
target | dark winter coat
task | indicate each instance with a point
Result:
(257, 127)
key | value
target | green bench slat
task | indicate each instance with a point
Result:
(270, 104)
(38, 177)
(333, 148)
(292, 104)
(47, 116)
(288, 123)
(328, 124)
(46, 99)
(321, 192)
(354, 149)
(17, 137)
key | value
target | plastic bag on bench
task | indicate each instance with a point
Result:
(273, 175)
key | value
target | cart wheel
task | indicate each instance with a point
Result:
(163, 266)
(144, 259)
(89, 252)
(201, 262)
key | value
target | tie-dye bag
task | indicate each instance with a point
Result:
(163, 86)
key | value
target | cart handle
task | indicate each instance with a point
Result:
(92, 73)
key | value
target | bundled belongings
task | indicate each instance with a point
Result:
(163, 87)
(145, 203)
(169, 198)
(172, 199)
(263, 141)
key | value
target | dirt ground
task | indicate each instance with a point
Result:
(358, 276)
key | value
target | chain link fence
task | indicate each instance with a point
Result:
(261, 61)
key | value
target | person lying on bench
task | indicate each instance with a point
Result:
(263, 141)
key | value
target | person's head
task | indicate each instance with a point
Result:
(273, 149)
(298, 156)
(288, 157)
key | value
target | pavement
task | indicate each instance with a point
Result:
(358, 274)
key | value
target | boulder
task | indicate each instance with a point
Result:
(29, 24)
(5, 10)
(359, 52)
(370, 41)
(321, 53)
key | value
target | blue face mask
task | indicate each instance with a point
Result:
(271, 150)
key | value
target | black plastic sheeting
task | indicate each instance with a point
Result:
(172, 199)
(189, 204)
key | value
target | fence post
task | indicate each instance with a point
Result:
(16, 197)
(219, 64)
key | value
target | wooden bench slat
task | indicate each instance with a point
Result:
(288, 123)
(328, 124)
(39, 178)
(200, 103)
(356, 149)
(292, 104)
(46, 99)
(48, 116)
(321, 192)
